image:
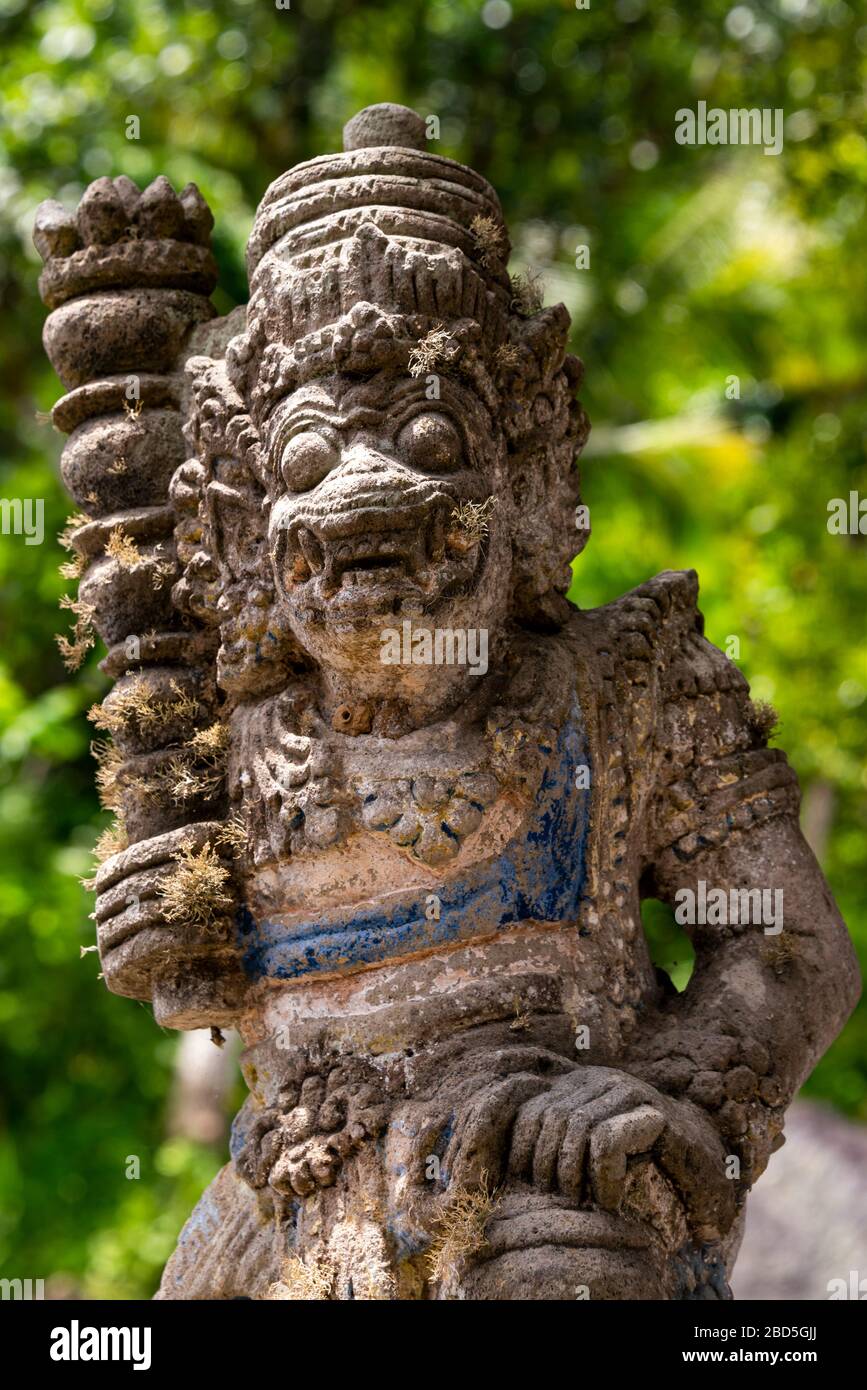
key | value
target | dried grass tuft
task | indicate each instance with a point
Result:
(111, 840)
(461, 1231)
(109, 767)
(435, 349)
(74, 568)
(123, 549)
(300, 1282)
(490, 240)
(473, 517)
(211, 742)
(763, 720)
(195, 891)
(71, 527)
(507, 358)
(234, 835)
(528, 292)
(138, 707)
(161, 573)
(199, 769)
(73, 649)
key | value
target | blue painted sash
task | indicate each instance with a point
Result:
(539, 876)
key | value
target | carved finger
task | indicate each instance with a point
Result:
(525, 1134)
(612, 1142)
(479, 1140)
(573, 1151)
(693, 1156)
(553, 1128)
(617, 1099)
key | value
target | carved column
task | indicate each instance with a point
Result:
(127, 279)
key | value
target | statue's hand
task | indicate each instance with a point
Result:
(584, 1132)
(580, 1130)
(165, 913)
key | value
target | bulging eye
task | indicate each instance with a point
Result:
(431, 442)
(306, 460)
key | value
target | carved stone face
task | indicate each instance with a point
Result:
(374, 519)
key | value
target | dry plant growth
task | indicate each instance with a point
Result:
(200, 768)
(111, 841)
(138, 707)
(461, 1228)
(473, 517)
(234, 834)
(507, 358)
(300, 1282)
(123, 548)
(528, 293)
(72, 569)
(71, 527)
(195, 891)
(83, 636)
(764, 719)
(489, 239)
(435, 349)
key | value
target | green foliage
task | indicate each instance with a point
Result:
(706, 264)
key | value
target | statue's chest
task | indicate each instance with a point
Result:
(432, 857)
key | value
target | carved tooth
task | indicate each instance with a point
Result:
(311, 548)
(300, 569)
(436, 535)
(329, 583)
(129, 194)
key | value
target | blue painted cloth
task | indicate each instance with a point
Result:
(539, 876)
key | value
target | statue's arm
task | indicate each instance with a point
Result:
(775, 974)
(765, 999)
(127, 279)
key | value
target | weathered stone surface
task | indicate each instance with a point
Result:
(387, 802)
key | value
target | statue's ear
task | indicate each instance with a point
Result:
(222, 538)
(545, 429)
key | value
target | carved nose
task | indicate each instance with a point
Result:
(365, 459)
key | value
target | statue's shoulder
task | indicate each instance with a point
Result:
(652, 639)
(676, 723)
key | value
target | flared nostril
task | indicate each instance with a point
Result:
(362, 458)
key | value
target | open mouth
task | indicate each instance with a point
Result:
(362, 560)
(416, 552)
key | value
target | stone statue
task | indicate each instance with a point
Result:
(386, 802)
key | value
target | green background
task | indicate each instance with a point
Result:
(706, 264)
